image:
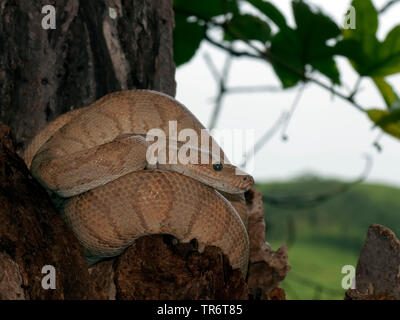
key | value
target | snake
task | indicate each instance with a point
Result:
(114, 190)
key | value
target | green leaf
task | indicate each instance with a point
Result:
(388, 55)
(313, 27)
(287, 52)
(247, 27)
(305, 45)
(351, 49)
(270, 11)
(366, 26)
(187, 39)
(328, 68)
(389, 95)
(388, 121)
(205, 9)
(369, 56)
(384, 59)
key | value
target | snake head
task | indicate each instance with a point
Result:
(210, 168)
(224, 177)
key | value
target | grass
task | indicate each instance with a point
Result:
(316, 271)
(324, 238)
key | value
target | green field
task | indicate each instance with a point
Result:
(324, 238)
(316, 271)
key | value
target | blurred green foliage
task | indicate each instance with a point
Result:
(323, 239)
(296, 52)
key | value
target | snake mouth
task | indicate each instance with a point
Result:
(241, 185)
(248, 182)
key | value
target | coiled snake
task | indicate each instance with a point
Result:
(97, 158)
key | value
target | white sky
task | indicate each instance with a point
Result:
(326, 136)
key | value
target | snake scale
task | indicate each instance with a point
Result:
(96, 159)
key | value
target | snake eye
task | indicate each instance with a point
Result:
(217, 166)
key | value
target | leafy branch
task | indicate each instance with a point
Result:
(296, 53)
(267, 56)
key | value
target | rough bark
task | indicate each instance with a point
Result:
(97, 47)
(158, 267)
(267, 268)
(33, 235)
(377, 274)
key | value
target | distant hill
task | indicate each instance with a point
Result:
(324, 238)
(342, 220)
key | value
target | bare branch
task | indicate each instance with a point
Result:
(226, 68)
(267, 56)
(253, 89)
(377, 143)
(212, 67)
(232, 51)
(221, 80)
(267, 136)
(292, 110)
(217, 110)
(388, 5)
(313, 200)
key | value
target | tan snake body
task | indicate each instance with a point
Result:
(96, 157)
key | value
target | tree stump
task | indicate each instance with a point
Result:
(378, 268)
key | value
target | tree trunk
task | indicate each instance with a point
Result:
(97, 47)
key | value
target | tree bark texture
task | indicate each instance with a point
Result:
(33, 235)
(98, 47)
(378, 267)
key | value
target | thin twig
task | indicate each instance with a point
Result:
(226, 69)
(221, 80)
(253, 89)
(267, 56)
(388, 5)
(356, 88)
(313, 200)
(268, 135)
(292, 110)
(273, 59)
(233, 52)
(377, 140)
(217, 110)
(212, 67)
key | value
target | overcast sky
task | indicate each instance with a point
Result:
(327, 136)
